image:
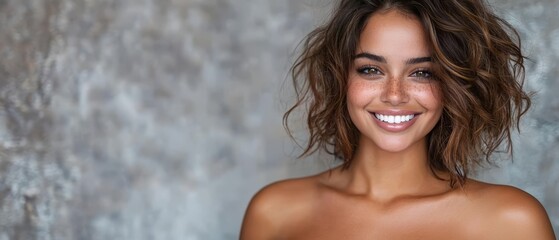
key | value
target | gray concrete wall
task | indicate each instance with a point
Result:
(158, 119)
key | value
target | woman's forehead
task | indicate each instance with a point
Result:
(394, 34)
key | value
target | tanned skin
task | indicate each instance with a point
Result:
(389, 192)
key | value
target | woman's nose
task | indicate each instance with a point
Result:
(394, 92)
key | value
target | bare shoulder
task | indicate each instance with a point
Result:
(508, 212)
(278, 205)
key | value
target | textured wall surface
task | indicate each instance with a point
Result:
(158, 119)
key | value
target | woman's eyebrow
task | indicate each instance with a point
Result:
(412, 61)
(381, 59)
(370, 56)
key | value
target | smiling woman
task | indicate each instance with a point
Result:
(391, 81)
(410, 95)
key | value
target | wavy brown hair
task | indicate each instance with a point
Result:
(479, 66)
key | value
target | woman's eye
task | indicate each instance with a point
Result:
(423, 74)
(369, 71)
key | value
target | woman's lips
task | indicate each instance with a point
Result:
(394, 122)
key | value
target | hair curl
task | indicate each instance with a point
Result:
(480, 68)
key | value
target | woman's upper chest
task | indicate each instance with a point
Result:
(406, 218)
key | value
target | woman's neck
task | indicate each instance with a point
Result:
(386, 175)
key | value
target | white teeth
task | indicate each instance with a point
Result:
(394, 118)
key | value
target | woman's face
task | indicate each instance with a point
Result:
(393, 99)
